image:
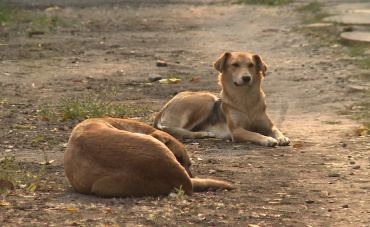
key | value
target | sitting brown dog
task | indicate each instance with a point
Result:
(113, 157)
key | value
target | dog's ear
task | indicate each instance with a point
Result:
(261, 66)
(220, 62)
(161, 137)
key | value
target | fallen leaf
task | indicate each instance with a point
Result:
(38, 139)
(32, 187)
(274, 202)
(297, 145)
(44, 118)
(55, 8)
(174, 80)
(163, 81)
(4, 204)
(71, 209)
(47, 162)
(22, 126)
(194, 79)
(108, 211)
(77, 80)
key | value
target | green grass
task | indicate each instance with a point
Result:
(263, 2)
(358, 50)
(94, 105)
(313, 7)
(7, 13)
(330, 36)
(22, 177)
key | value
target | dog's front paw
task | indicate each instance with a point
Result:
(283, 141)
(270, 142)
(208, 135)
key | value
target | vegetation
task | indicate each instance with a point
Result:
(93, 106)
(263, 2)
(329, 36)
(22, 177)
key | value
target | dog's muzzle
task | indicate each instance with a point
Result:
(245, 80)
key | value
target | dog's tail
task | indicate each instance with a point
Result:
(201, 185)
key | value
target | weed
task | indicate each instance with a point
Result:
(333, 122)
(178, 193)
(313, 7)
(92, 106)
(23, 179)
(263, 2)
(7, 13)
(359, 51)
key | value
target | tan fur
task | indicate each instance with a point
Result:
(238, 114)
(118, 157)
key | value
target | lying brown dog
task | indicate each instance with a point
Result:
(113, 157)
(239, 114)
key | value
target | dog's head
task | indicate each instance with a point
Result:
(176, 147)
(243, 68)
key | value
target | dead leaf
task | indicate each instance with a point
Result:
(55, 8)
(32, 187)
(72, 209)
(47, 162)
(38, 139)
(77, 80)
(174, 80)
(297, 145)
(44, 118)
(194, 79)
(108, 211)
(22, 126)
(4, 204)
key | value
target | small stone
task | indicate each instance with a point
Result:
(334, 175)
(161, 64)
(154, 77)
(352, 162)
(356, 167)
(345, 206)
(5, 184)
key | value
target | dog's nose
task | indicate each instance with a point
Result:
(246, 79)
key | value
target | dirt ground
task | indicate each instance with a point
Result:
(321, 179)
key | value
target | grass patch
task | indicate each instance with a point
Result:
(263, 2)
(333, 122)
(7, 13)
(330, 36)
(313, 7)
(358, 50)
(23, 178)
(95, 105)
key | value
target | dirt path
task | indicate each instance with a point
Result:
(111, 46)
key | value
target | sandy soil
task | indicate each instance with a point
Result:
(322, 179)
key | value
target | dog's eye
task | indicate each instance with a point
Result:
(250, 65)
(236, 65)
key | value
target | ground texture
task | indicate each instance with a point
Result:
(321, 179)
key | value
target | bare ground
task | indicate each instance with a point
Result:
(313, 182)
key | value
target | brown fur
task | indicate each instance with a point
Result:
(239, 113)
(118, 157)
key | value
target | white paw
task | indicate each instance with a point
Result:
(208, 134)
(270, 142)
(283, 141)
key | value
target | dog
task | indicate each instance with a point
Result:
(238, 113)
(112, 157)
